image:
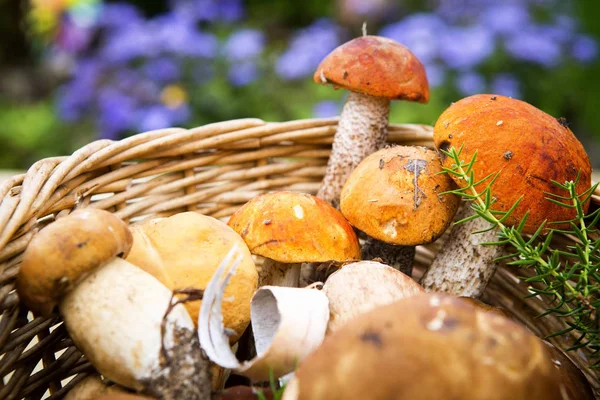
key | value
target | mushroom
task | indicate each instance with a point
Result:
(529, 149)
(91, 388)
(362, 286)
(395, 196)
(116, 313)
(184, 250)
(573, 383)
(375, 70)
(429, 346)
(289, 228)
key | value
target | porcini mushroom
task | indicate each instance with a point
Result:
(429, 346)
(289, 228)
(396, 196)
(359, 287)
(529, 149)
(375, 70)
(184, 250)
(115, 312)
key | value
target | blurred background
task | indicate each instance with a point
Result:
(72, 71)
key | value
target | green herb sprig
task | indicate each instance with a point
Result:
(570, 277)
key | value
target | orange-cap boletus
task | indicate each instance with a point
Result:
(528, 149)
(289, 228)
(396, 196)
(375, 70)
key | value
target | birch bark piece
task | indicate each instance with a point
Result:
(362, 286)
(375, 70)
(289, 228)
(528, 149)
(288, 324)
(397, 196)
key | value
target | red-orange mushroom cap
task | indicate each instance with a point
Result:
(375, 66)
(375, 70)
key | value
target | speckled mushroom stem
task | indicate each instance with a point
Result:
(463, 266)
(361, 131)
(397, 257)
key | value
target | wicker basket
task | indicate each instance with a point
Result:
(211, 169)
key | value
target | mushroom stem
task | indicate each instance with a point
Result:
(463, 266)
(276, 273)
(114, 316)
(396, 256)
(361, 131)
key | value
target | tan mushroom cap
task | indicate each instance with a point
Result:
(527, 146)
(292, 227)
(184, 250)
(395, 195)
(375, 66)
(62, 254)
(429, 346)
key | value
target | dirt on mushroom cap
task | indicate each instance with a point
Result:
(527, 146)
(293, 227)
(375, 66)
(429, 346)
(395, 195)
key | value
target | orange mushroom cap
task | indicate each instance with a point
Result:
(375, 66)
(292, 227)
(528, 147)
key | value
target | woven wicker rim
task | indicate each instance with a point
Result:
(212, 169)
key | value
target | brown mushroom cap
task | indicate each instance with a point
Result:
(375, 66)
(184, 250)
(527, 146)
(292, 227)
(65, 252)
(573, 383)
(394, 195)
(429, 346)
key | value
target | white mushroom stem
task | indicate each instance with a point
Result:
(114, 316)
(463, 266)
(279, 274)
(361, 131)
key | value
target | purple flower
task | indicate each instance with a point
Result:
(464, 48)
(469, 83)
(72, 37)
(180, 36)
(210, 10)
(462, 10)
(116, 16)
(242, 73)
(129, 43)
(326, 109)
(159, 117)
(506, 18)
(585, 48)
(162, 69)
(506, 85)
(76, 97)
(307, 48)
(116, 112)
(532, 45)
(420, 32)
(243, 44)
